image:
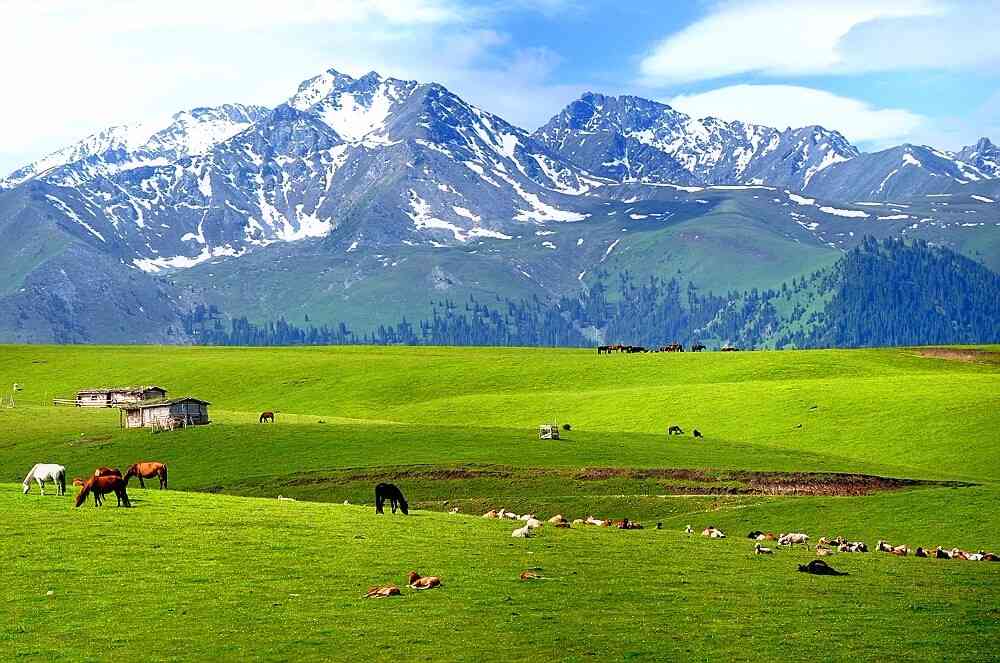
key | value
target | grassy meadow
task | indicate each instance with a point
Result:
(216, 567)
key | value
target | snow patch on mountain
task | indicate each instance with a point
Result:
(849, 213)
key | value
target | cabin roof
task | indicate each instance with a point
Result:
(163, 402)
(106, 390)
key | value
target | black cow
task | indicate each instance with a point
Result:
(818, 567)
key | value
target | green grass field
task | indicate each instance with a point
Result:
(211, 568)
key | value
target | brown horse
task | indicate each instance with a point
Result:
(147, 470)
(101, 486)
(266, 417)
(107, 472)
(99, 472)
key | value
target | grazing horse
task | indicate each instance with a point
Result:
(42, 472)
(675, 430)
(147, 470)
(107, 472)
(103, 486)
(697, 347)
(388, 491)
(266, 417)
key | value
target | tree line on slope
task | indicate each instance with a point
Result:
(883, 292)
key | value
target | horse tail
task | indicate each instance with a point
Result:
(163, 474)
(61, 477)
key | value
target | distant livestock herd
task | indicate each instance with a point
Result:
(673, 347)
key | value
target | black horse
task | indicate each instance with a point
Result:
(391, 492)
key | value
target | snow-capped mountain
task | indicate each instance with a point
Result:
(634, 139)
(897, 173)
(630, 139)
(984, 156)
(414, 161)
(126, 147)
(405, 186)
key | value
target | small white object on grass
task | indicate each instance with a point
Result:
(50, 593)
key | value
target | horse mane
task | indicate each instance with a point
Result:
(82, 497)
(31, 473)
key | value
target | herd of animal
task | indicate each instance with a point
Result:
(829, 546)
(103, 481)
(413, 580)
(631, 349)
(531, 523)
(677, 430)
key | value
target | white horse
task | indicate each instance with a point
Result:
(43, 472)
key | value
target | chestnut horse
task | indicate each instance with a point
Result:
(147, 470)
(102, 486)
(99, 472)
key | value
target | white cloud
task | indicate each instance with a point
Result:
(73, 67)
(793, 106)
(781, 38)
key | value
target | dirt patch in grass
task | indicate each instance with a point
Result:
(644, 480)
(968, 355)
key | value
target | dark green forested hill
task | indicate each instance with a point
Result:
(882, 292)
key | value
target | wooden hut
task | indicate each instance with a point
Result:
(115, 396)
(165, 414)
(548, 432)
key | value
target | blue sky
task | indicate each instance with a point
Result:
(880, 71)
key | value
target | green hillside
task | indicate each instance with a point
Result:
(193, 575)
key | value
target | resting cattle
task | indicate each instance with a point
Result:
(713, 533)
(415, 581)
(625, 523)
(820, 568)
(675, 430)
(382, 592)
(697, 433)
(793, 538)
(761, 550)
(522, 533)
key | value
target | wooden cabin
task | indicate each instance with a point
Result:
(115, 396)
(548, 432)
(165, 414)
